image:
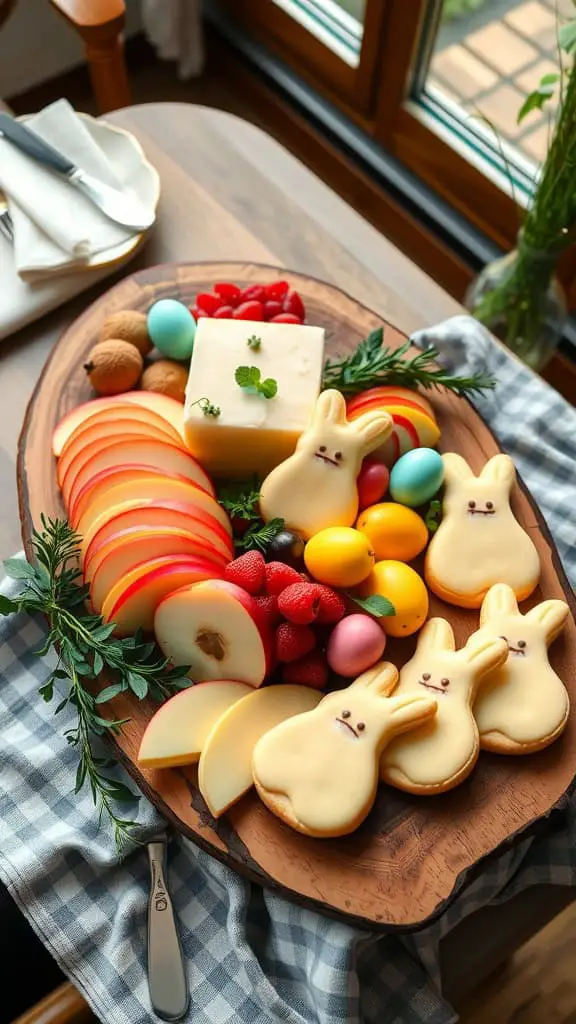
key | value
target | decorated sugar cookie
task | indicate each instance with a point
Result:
(479, 542)
(316, 487)
(319, 771)
(442, 752)
(523, 705)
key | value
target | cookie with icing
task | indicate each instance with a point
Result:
(479, 541)
(523, 705)
(443, 752)
(318, 771)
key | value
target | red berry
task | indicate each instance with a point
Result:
(247, 571)
(229, 292)
(252, 310)
(276, 290)
(253, 291)
(279, 576)
(208, 302)
(372, 482)
(198, 313)
(268, 610)
(286, 318)
(332, 605)
(272, 308)
(293, 642)
(293, 304)
(224, 313)
(299, 603)
(311, 670)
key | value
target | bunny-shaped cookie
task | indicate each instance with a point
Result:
(479, 542)
(316, 487)
(523, 706)
(443, 752)
(319, 770)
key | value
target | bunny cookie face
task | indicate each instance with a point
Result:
(479, 542)
(523, 705)
(319, 771)
(443, 752)
(316, 487)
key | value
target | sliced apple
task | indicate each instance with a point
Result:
(133, 599)
(107, 433)
(131, 551)
(389, 452)
(93, 495)
(170, 410)
(157, 514)
(394, 391)
(132, 534)
(426, 427)
(225, 767)
(215, 628)
(124, 410)
(178, 731)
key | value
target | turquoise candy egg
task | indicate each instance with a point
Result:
(172, 327)
(416, 477)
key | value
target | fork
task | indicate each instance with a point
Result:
(6, 225)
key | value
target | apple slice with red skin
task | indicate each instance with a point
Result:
(129, 535)
(426, 427)
(393, 391)
(136, 449)
(168, 408)
(108, 433)
(125, 411)
(177, 733)
(158, 514)
(216, 628)
(134, 598)
(131, 551)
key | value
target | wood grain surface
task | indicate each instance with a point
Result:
(412, 854)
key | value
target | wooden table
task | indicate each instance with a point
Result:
(231, 192)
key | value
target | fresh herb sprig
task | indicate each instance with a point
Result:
(240, 498)
(259, 536)
(254, 343)
(372, 364)
(85, 647)
(208, 407)
(249, 379)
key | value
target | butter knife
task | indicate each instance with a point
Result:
(167, 982)
(122, 207)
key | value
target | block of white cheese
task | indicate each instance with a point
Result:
(251, 434)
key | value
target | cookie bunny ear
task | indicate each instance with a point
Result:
(409, 710)
(551, 616)
(436, 635)
(484, 655)
(330, 408)
(500, 600)
(380, 679)
(499, 468)
(456, 469)
(374, 428)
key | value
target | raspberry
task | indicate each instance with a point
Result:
(268, 610)
(311, 670)
(279, 576)
(247, 571)
(293, 642)
(332, 605)
(299, 603)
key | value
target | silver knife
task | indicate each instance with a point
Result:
(122, 207)
(167, 982)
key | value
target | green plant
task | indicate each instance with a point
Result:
(455, 8)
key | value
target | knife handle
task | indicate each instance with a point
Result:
(167, 981)
(30, 143)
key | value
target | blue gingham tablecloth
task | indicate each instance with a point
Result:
(251, 956)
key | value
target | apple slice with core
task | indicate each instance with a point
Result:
(93, 495)
(154, 514)
(225, 767)
(130, 552)
(177, 733)
(168, 408)
(216, 628)
(133, 599)
(105, 434)
(125, 411)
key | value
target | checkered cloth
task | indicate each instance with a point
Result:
(252, 957)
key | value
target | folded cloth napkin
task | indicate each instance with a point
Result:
(56, 228)
(251, 957)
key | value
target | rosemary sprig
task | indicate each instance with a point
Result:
(258, 536)
(371, 364)
(85, 646)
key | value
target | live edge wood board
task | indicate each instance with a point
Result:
(413, 854)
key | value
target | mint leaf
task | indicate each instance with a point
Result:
(268, 388)
(247, 376)
(18, 569)
(374, 605)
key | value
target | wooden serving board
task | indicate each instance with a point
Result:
(412, 854)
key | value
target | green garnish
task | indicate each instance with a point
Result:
(433, 515)
(374, 605)
(85, 647)
(259, 536)
(248, 377)
(371, 365)
(240, 498)
(207, 408)
(254, 343)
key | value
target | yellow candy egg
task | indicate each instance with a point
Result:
(339, 556)
(407, 592)
(393, 530)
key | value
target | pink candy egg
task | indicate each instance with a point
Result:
(356, 643)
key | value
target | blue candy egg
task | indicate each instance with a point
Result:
(416, 477)
(172, 327)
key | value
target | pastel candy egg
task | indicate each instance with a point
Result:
(355, 643)
(172, 327)
(416, 477)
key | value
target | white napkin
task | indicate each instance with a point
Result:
(56, 228)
